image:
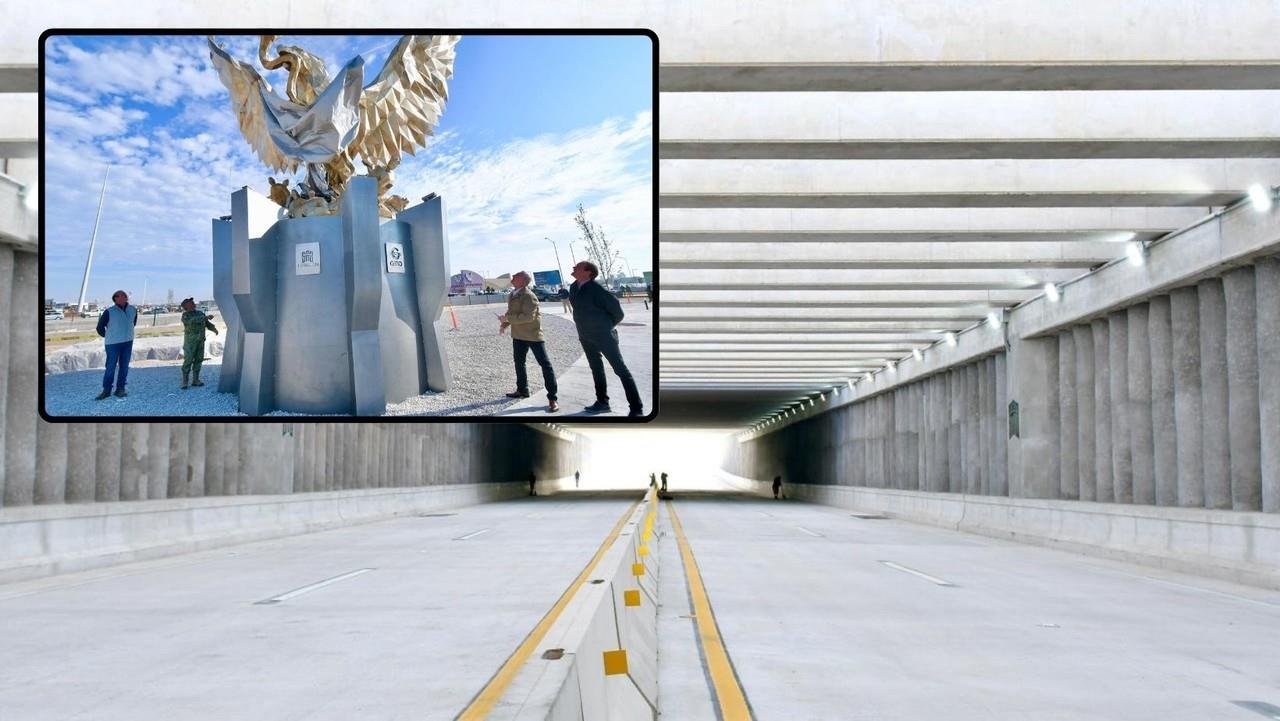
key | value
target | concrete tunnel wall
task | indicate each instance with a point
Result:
(940, 434)
(1169, 402)
(107, 462)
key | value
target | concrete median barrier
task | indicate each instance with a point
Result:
(599, 660)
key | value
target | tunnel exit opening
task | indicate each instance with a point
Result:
(623, 458)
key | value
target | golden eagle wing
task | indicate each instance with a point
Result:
(246, 88)
(400, 108)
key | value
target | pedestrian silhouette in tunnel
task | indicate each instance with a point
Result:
(777, 486)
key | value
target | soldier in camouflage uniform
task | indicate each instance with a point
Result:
(194, 324)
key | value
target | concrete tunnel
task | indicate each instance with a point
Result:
(993, 291)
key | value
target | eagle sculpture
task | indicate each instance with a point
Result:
(325, 124)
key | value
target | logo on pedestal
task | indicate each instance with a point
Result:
(306, 259)
(395, 258)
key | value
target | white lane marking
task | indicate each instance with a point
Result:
(763, 513)
(1198, 589)
(473, 534)
(1261, 707)
(913, 572)
(308, 589)
(815, 534)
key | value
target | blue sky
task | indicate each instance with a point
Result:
(534, 126)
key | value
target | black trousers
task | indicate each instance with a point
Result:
(520, 349)
(606, 347)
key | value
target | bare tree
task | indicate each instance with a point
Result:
(599, 248)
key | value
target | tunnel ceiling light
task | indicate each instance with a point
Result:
(30, 194)
(993, 320)
(915, 352)
(1261, 197)
(1137, 252)
(889, 366)
(1051, 292)
(951, 339)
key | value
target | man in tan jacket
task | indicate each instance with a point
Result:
(524, 316)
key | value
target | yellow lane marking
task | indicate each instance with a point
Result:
(488, 697)
(729, 695)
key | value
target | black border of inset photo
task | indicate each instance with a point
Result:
(554, 419)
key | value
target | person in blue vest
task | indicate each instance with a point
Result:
(115, 325)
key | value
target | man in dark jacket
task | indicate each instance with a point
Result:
(596, 312)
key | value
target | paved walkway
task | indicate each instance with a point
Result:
(576, 389)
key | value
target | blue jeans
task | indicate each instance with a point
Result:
(117, 353)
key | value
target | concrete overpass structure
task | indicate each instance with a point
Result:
(981, 283)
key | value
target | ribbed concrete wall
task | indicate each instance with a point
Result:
(1172, 402)
(85, 462)
(944, 433)
(142, 461)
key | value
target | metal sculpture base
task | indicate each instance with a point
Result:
(331, 315)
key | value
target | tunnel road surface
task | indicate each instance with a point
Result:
(807, 612)
(827, 616)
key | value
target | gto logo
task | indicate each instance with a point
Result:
(395, 258)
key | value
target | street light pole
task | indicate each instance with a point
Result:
(559, 268)
(93, 240)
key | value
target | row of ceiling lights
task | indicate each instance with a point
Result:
(1261, 198)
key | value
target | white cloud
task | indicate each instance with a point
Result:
(161, 71)
(90, 122)
(503, 201)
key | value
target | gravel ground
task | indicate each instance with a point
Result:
(479, 358)
(483, 372)
(153, 391)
